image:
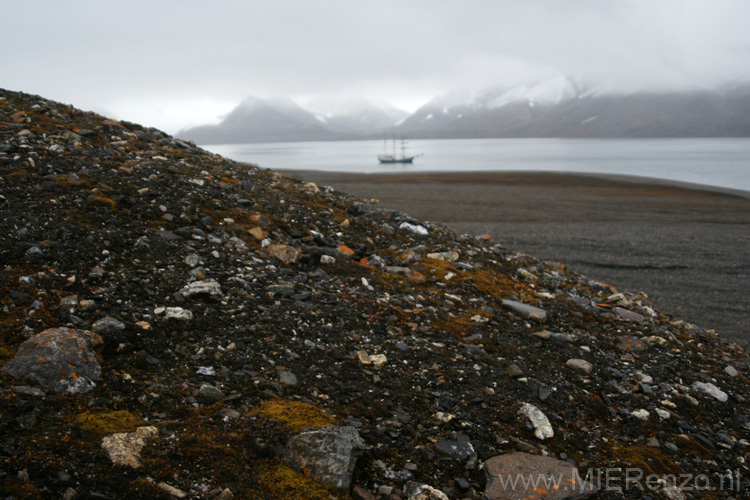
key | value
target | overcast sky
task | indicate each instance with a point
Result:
(174, 63)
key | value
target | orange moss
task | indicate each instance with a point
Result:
(106, 201)
(285, 483)
(295, 415)
(105, 423)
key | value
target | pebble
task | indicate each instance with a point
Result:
(177, 313)
(580, 365)
(525, 309)
(413, 228)
(711, 390)
(542, 427)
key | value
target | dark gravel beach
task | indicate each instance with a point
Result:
(686, 246)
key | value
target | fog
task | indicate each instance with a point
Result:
(170, 64)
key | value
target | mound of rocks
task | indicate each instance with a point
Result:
(175, 324)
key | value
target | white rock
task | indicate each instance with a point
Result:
(711, 390)
(124, 448)
(731, 371)
(663, 414)
(379, 360)
(414, 229)
(641, 414)
(542, 426)
(581, 365)
(178, 313)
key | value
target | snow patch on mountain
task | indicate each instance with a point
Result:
(548, 92)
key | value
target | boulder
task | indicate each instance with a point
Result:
(520, 475)
(329, 453)
(62, 360)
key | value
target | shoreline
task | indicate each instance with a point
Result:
(685, 245)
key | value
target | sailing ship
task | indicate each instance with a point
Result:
(391, 158)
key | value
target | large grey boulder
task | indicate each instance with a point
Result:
(62, 360)
(329, 453)
(520, 475)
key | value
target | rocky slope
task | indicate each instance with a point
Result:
(174, 324)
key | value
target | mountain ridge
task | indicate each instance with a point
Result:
(557, 107)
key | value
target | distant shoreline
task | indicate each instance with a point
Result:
(686, 245)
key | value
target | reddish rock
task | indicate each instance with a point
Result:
(284, 253)
(520, 475)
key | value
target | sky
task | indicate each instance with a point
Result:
(175, 63)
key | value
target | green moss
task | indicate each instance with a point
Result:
(105, 423)
(294, 414)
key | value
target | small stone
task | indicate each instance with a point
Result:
(580, 365)
(628, 315)
(171, 490)
(124, 448)
(663, 414)
(364, 358)
(144, 325)
(69, 301)
(542, 427)
(525, 310)
(711, 390)
(641, 414)
(379, 360)
(544, 394)
(731, 371)
(514, 371)
(284, 253)
(192, 260)
(211, 393)
(460, 449)
(414, 228)
(178, 313)
(286, 377)
(107, 325)
(257, 233)
(417, 491)
(202, 289)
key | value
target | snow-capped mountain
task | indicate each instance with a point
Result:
(355, 115)
(283, 120)
(559, 106)
(562, 106)
(463, 103)
(263, 120)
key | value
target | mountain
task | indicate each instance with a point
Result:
(263, 120)
(564, 107)
(559, 106)
(356, 115)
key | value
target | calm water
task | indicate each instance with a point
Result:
(715, 162)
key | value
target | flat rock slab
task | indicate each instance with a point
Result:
(62, 360)
(124, 448)
(519, 476)
(329, 453)
(525, 310)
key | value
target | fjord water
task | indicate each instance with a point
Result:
(714, 162)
